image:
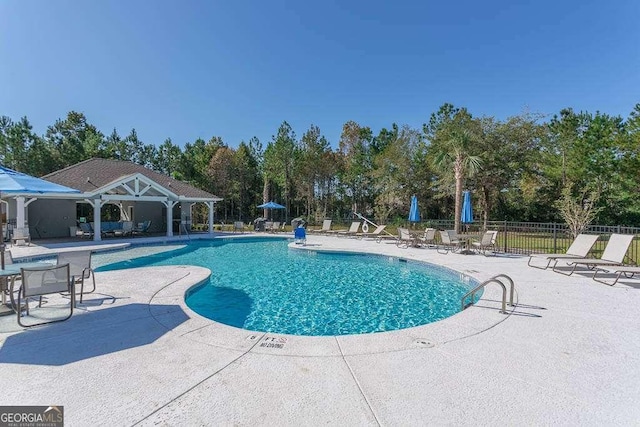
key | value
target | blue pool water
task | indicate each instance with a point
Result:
(262, 285)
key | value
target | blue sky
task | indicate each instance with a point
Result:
(237, 69)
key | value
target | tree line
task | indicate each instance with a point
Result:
(518, 169)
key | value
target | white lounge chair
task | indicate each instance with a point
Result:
(352, 231)
(326, 227)
(579, 248)
(613, 254)
(627, 271)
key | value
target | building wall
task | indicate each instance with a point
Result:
(153, 211)
(50, 218)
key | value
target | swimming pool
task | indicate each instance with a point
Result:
(262, 285)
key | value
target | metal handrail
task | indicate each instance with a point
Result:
(495, 279)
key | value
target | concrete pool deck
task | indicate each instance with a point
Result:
(568, 353)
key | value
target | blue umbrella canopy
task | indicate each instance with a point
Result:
(467, 210)
(271, 205)
(18, 182)
(414, 212)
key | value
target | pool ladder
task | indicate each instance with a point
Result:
(499, 279)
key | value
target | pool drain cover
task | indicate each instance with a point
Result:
(421, 342)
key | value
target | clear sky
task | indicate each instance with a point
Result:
(237, 69)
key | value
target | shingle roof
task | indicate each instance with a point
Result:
(89, 175)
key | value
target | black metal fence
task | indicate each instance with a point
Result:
(538, 237)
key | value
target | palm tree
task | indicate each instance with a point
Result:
(452, 148)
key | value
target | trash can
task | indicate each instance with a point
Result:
(295, 222)
(258, 224)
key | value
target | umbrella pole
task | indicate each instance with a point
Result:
(2, 245)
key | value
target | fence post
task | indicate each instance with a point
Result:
(555, 238)
(505, 236)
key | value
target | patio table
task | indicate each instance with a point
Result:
(466, 238)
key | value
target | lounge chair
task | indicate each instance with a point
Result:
(487, 242)
(79, 268)
(86, 230)
(38, 282)
(579, 249)
(374, 234)
(627, 271)
(429, 238)
(613, 254)
(326, 227)
(126, 230)
(449, 241)
(352, 231)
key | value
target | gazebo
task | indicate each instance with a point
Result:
(139, 193)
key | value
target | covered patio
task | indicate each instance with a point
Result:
(134, 193)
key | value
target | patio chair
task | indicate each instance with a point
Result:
(142, 228)
(405, 239)
(449, 241)
(579, 248)
(613, 254)
(487, 242)
(429, 238)
(4, 281)
(272, 227)
(238, 226)
(326, 227)
(79, 268)
(21, 234)
(40, 282)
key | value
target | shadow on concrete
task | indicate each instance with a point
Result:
(90, 335)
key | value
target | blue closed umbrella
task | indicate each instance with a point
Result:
(414, 212)
(467, 210)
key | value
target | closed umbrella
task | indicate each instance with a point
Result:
(414, 212)
(467, 210)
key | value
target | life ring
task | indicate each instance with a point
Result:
(365, 228)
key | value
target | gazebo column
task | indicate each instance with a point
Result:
(20, 212)
(170, 204)
(97, 206)
(210, 205)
